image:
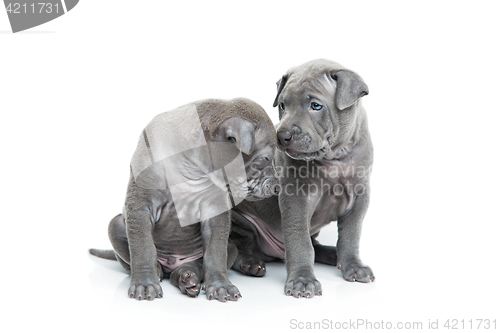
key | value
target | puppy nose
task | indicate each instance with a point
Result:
(284, 137)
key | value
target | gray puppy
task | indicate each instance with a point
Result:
(185, 170)
(324, 164)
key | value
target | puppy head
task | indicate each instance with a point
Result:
(246, 128)
(318, 103)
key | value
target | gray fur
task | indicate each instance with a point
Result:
(328, 144)
(149, 227)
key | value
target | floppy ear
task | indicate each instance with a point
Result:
(281, 84)
(350, 88)
(241, 132)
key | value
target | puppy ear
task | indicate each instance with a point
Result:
(350, 88)
(241, 132)
(280, 84)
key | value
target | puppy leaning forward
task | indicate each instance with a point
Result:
(324, 161)
(188, 168)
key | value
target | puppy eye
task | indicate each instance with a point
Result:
(282, 106)
(316, 106)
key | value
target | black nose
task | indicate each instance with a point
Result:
(284, 137)
(276, 189)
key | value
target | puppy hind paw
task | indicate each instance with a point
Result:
(189, 283)
(251, 265)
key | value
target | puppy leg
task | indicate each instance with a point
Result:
(246, 262)
(323, 253)
(243, 235)
(349, 229)
(232, 254)
(145, 276)
(215, 234)
(117, 232)
(296, 212)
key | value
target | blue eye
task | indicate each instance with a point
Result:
(316, 106)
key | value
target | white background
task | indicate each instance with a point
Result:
(76, 92)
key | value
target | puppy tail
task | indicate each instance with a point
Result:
(105, 254)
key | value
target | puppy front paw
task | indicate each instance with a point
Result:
(221, 289)
(355, 271)
(145, 288)
(303, 284)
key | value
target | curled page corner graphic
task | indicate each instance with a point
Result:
(26, 14)
(70, 4)
(204, 179)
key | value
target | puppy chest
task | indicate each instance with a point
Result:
(329, 208)
(338, 184)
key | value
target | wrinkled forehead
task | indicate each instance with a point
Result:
(310, 84)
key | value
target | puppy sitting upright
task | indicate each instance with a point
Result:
(188, 168)
(324, 164)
